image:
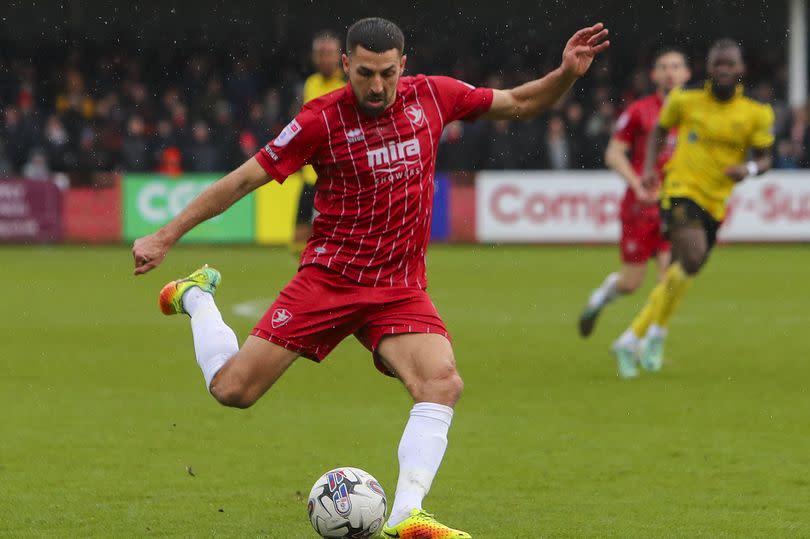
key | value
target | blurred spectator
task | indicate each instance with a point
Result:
(502, 150)
(788, 154)
(12, 133)
(241, 87)
(248, 146)
(135, 148)
(557, 145)
(6, 168)
(164, 137)
(171, 162)
(201, 154)
(36, 168)
(61, 154)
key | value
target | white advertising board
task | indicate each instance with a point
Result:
(583, 207)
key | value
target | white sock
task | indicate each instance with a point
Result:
(656, 331)
(214, 342)
(628, 340)
(420, 454)
(607, 292)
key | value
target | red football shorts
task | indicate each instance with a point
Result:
(320, 307)
(641, 240)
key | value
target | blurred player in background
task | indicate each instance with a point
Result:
(328, 77)
(374, 147)
(717, 126)
(642, 238)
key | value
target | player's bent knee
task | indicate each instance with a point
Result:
(692, 262)
(444, 388)
(233, 395)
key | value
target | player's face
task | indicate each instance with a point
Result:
(726, 67)
(326, 56)
(374, 77)
(670, 71)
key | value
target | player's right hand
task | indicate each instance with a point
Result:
(645, 196)
(148, 252)
(645, 191)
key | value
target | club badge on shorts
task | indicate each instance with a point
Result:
(280, 318)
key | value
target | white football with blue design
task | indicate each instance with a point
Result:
(347, 502)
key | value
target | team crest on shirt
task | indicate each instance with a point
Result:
(355, 135)
(415, 114)
(280, 318)
(287, 134)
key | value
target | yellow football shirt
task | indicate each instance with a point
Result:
(712, 136)
(316, 86)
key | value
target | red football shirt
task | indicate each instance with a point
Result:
(634, 127)
(374, 193)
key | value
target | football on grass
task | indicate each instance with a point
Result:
(347, 502)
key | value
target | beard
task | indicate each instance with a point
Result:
(374, 110)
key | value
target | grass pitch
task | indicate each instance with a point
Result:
(107, 430)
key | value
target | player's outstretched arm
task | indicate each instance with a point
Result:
(528, 100)
(149, 251)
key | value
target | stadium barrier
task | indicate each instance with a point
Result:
(30, 211)
(487, 207)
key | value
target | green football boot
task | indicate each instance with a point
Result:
(171, 296)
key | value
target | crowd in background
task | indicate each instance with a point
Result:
(96, 111)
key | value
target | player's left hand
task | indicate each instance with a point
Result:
(737, 172)
(582, 47)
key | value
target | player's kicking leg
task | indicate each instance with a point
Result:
(426, 366)
(235, 377)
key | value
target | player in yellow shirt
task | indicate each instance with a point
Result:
(717, 129)
(328, 77)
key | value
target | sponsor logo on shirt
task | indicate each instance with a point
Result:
(355, 135)
(287, 134)
(280, 318)
(396, 160)
(415, 115)
(271, 153)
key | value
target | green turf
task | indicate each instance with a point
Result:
(104, 410)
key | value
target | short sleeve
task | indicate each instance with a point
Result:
(762, 137)
(670, 114)
(627, 125)
(293, 147)
(459, 100)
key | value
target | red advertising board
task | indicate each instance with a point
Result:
(93, 214)
(30, 211)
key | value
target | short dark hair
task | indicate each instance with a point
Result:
(723, 44)
(670, 50)
(326, 34)
(375, 34)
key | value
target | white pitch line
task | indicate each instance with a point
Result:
(252, 309)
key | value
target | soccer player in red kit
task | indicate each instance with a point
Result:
(641, 237)
(373, 145)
